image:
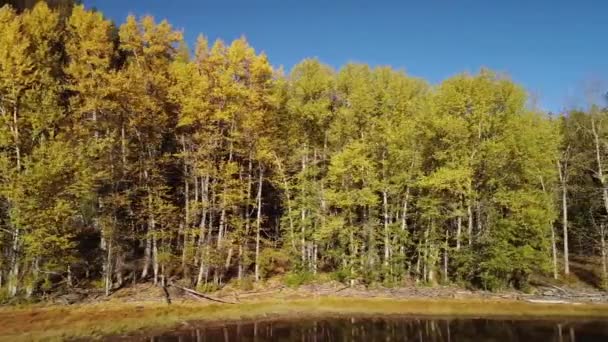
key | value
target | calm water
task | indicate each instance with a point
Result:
(392, 329)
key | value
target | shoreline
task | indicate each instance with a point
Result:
(115, 318)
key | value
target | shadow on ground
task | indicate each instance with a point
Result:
(585, 270)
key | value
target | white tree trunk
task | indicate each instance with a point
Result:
(154, 253)
(600, 175)
(258, 225)
(554, 253)
(458, 231)
(386, 227)
(108, 269)
(446, 256)
(147, 256)
(553, 242)
(404, 214)
(470, 223)
(186, 229)
(303, 217)
(202, 230)
(561, 168)
(603, 254)
(13, 276)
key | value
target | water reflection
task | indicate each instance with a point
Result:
(394, 329)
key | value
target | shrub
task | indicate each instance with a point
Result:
(295, 279)
(4, 297)
(273, 262)
(207, 287)
(244, 284)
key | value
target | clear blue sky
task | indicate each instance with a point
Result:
(555, 48)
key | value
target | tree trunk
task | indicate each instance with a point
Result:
(202, 232)
(147, 256)
(405, 205)
(186, 207)
(315, 252)
(16, 135)
(553, 242)
(554, 253)
(404, 226)
(220, 232)
(32, 284)
(445, 257)
(258, 225)
(247, 216)
(386, 227)
(561, 168)
(150, 239)
(289, 205)
(479, 223)
(108, 269)
(223, 225)
(458, 231)
(418, 261)
(470, 222)
(123, 147)
(425, 256)
(600, 175)
(603, 255)
(13, 276)
(353, 255)
(154, 253)
(303, 215)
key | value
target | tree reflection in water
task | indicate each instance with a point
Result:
(393, 329)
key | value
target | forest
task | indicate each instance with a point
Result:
(127, 156)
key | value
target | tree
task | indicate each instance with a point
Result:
(30, 111)
(90, 51)
(125, 156)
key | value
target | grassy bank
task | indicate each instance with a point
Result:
(57, 323)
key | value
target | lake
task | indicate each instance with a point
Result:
(389, 329)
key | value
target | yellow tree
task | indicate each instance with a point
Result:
(195, 134)
(90, 52)
(29, 94)
(144, 83)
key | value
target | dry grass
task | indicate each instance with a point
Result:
(109, 318)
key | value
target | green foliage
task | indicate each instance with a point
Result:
(207, 287)
(4, 295)
(296, 279)
(244, 284)
(273, 262)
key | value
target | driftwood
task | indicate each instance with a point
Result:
(585, 295)
(194, 296)
(572, 293)
(559, 288)
(278, 289)
(550, 301)
(341, 289)
(196, 293)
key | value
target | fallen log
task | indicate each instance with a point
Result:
(585, 295)
(253, 294)
(558, 288)
(341, 289)
(278, 289)
(550, 301)
(194, 296)
(196, 293)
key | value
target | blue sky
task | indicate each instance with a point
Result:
(556, 48)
